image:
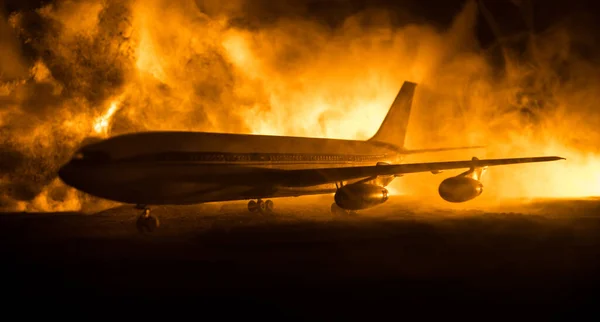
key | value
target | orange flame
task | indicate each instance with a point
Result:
(102, 123)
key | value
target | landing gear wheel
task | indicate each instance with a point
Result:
(252, 206)
(147, 223)
(261, 206)
(264, 207)
(269, 205)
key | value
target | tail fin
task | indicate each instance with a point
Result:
(393, 129)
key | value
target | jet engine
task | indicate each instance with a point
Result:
(360, 196)
(460, 189)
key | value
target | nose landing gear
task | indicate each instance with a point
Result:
(264, 207)
(146, 223)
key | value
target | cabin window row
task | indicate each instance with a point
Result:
(264, 157)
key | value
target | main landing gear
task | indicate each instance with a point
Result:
(264, 207)
(146, 222)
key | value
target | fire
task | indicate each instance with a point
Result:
(184, 66)
(393, 190)
(102, 123)
(238, 51)
(578, 176)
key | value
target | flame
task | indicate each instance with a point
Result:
(393, 190)
(148, 61)
(102, 123)
(578, 176)
(209, 66)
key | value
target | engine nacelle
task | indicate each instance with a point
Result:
(460, 189)
(360, 196)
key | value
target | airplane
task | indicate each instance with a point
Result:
(183, 168)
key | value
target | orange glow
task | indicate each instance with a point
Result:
(392, 190)
(102, 123)
(167, 65)
(148, 61)
(578, 176)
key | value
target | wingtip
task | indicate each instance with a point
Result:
(551, 158)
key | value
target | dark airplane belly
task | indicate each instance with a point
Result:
(163, 184)
(166, 184)
(177, 193)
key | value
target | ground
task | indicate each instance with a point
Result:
(539, 257)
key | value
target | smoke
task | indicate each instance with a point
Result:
(70, 70)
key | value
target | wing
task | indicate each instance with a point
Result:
(309, 177)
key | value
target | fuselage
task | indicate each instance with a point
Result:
(194, 167)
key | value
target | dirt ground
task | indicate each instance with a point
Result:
(535, 257)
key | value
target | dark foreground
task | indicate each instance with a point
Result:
(541, 260)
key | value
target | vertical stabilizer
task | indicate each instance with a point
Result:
(393, 129)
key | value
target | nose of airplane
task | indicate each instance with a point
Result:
(66, 173)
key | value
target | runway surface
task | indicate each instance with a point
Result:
(535, 257)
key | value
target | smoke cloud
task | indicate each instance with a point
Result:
(72, 70)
